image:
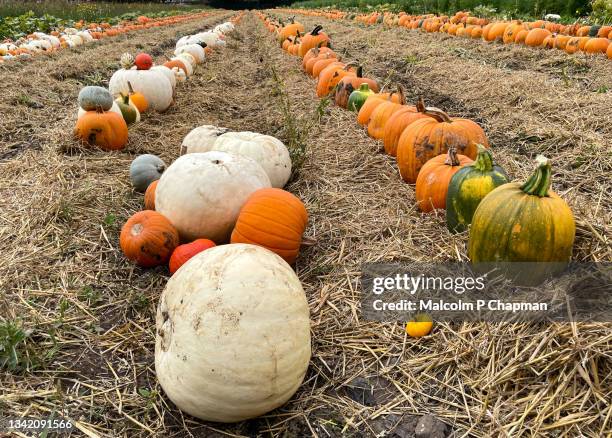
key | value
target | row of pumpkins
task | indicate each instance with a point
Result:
(140, 86)
(233, 323)
(43, 43)
(590, 39)
(447, 158)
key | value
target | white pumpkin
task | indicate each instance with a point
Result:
(53, 40)
(202, 194)
(187, 62)
(169, 74)
(224, 27)
(76, 39)
(86, 36)
(232, 334)
(268, 151)
(5, 47)
(115, 108)
(210, 38)
(153, 84)
(194, 50)
(179, 74)
(71, 31)
(201, 139)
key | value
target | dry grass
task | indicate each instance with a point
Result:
(91, 313)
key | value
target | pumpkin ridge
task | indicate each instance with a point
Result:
(268, 232)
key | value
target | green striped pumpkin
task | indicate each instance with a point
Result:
(469, 186)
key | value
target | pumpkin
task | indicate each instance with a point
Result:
(380, 116)
(521, 36)
(314, 38)
(348, 84)
(168, 73)
(331, 76)
(536, 37)
(290, 30)
(434, 178)
(372, 101)
(184, 66)
(202, 193)
(114, 108)
(107, 130)
(426, 138)
(510, 32)
(609, 51)
(358, 97)
(92, 98)
(138, 99)
(195, 50)
(419, 326)
(145, 169)
(523, 222)
(201, 139)
(149, 197)
(232, 334)
(469, 186)
(274, 219)
(153, 85)
(129, 112)
(143, 61)
(596, 45)
(321, 61)
(269, 152)
(148, 239)
(396, 124)
(184, 252)
(314, 53)
(321, 64)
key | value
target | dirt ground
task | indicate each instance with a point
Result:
(92, 314)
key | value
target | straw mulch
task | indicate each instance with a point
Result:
(91, 313)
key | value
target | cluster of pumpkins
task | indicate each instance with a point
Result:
(450, 162)
(233, 323)
(40, 42)
(590, 39)
(140, 86)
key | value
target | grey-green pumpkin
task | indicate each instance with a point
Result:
(469, 186)
(145, 169)
(92, 98)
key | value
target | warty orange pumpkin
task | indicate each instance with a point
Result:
(272, 218)
(148, 238)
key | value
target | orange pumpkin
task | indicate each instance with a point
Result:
(596, 45)
(363, 117)
(609, 51)
(398, 122)
(348, 84)
(274, 219)
(426, 138)
(314, 53)
(149, 196)
(536, 37)
(105, 129)
(317, 64)
(331, 75)
(184, 252)
(314, 38)
(138, 99)
(380, 116)
(434, 178)
(172, 64)
(148, 238)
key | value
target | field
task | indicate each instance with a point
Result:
(88, 314)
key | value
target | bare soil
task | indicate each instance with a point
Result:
(92, 313)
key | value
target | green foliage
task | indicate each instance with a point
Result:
(18, 19)
(602, 11)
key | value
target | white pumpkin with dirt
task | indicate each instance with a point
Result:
(233, 334)
(201, 194)
(201, 139)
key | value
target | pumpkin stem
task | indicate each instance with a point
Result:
(126, 98)
(364, 87)
(316, 30)
(452, 159)
(437, 114)
(484, 159)
(539, 182)
(420, 105)
(130, 89)
(359, 72)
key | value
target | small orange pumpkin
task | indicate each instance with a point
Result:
(149, 196)
(184, 252)
(434, 178)
(105, 129)
(363, 117)
(148, 238)
(138, 99)
(272, 218)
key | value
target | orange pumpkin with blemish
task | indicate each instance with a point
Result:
(148, 238)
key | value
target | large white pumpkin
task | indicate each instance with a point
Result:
(202, 194)
(194, 50)
(166, 72)
(201, 139)
(233, 334)
(153, 84)
(268, 151)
